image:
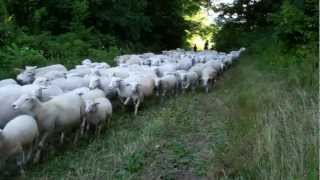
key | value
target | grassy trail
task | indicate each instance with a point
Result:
(250, 126)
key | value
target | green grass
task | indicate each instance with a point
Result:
(252, 125)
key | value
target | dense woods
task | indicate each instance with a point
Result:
(44, 32)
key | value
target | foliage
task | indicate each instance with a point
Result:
(296, 26)
(287, 29)
(15, 57)
(48, 32)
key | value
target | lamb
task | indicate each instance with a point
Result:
(198, 68)
(145, 81)
(93, 94)
(208, 76)
(47, 90)
(7, 82)
(166, 68)
(60, 114)
(185, 63)
(8, 95)
(103, 84)
(227, 61)
(79, 91)
(217, 65)
(78, 72)
(190, 79)
(28, 75)
(70, 83)
(128, 90)
(52, 75)
(97, 112)
(17, 138)
(165, 84)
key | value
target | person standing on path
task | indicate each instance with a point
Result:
(206, 45)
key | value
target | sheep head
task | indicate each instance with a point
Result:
(91, 106)
(25, 103)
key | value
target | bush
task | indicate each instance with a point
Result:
(68, 49)
(17, 57)
(102, 55)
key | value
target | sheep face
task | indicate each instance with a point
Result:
(42, 81)
(157, 82)
(157, 72)
(27, 76)
(94, 83)
(91, 107)
(86, 62)
(133, 86)
(115, 82)
(205, 81)
(24, 103)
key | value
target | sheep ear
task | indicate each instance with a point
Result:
(18, 70)
(31, 67)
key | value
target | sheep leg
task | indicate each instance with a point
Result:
(176, 89)
(127, 101)
(98, 131)
(76, 137)
(21, 160)
(164, 92)
(61, 137)
(87, 127)
(83, 126)
(29, 154)
(40, 146)
(121, 100)
(109, 122)
(193, 87)
(136, 107)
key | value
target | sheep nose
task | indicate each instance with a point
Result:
(14, 106)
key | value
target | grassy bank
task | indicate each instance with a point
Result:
(253, 125)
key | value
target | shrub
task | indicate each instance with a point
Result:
(17, 57)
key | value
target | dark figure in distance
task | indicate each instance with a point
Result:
(206, 45)
(195, 48)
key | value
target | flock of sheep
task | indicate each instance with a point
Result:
(53, 100)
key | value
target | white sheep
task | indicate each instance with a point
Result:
(198, 68)
(208, 76)
(60, 114)
(97, 112)
(190, 79)
(17, 138)
(8, 95)
(6, 82)
(70, 83)
(165, 84)
(217, 65)
(128, 91)
(28, 75)
(102, 83)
